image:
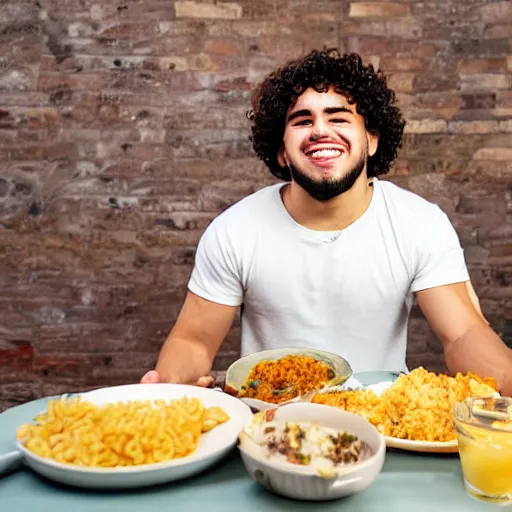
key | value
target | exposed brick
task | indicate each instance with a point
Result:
(223, 47)
(426, 126)
(502, 250)
(17, 78)
(205, 143)
(394, 47)
(497, 12)
(442, 145)
(317, 18)
(88, 81)
(244, 28)
(485, 101)
(473, 47)
(495, 173)
(490, 65)
(505, 126)
(377, 9)
(407, 28)
(402, 81)
(210, 117)
(493, 154)
(221, 10)
(401, 64)
(482, 81)
(494, 32)
(473, 126)
(504, 103)
(444, 104)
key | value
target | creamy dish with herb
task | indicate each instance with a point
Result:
(309, 444)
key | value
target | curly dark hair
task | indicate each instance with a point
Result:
(321, 70)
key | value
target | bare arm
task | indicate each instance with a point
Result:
(469, 343)
(195, 339)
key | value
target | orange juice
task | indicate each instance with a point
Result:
(485, 447)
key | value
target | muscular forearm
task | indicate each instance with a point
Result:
(480, 350)
(183, 361)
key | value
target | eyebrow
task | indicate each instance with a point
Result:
(328, 110)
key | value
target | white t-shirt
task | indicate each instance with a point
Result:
(348, 292)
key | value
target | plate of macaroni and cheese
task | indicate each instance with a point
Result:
(132, 436)
(414, 412)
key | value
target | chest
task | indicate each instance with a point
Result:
(349, 273)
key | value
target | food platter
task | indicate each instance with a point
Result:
(395, 442)
(430, 412)
(412, 445)
(213, 445)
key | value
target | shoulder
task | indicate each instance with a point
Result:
(229, 241)
(242, 220)
(409, 208)
(249, 211)
(418, 225)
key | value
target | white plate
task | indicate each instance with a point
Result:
(422, 446)
(212, 446)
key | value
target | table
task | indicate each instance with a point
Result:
(408, 481)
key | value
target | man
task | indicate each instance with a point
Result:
(332, 258)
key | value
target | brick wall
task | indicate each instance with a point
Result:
(122, 134)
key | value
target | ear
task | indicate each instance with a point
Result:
(281, 157)
(373, 143)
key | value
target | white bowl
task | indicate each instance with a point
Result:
(213, 445)
(304, 482)
(238, 372)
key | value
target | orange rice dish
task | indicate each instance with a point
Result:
(286, 378)
(417, 406)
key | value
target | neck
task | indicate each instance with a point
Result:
(332, 215)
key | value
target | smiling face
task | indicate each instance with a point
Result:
(325, 144)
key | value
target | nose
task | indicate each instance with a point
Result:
(319, 130)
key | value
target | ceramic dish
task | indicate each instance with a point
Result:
(306, 482)
(213, 445)
(238, 372)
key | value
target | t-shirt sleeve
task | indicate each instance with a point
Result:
(216, 275)
(440, 258)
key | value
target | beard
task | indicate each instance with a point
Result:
(326, 189)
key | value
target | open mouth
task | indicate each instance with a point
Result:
(325, 156)
(319, 154)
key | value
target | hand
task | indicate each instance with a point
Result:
(152, 377)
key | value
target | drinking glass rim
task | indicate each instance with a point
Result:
(469, 402)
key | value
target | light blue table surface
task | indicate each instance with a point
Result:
(408, 482)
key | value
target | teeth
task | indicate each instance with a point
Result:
(325, 153)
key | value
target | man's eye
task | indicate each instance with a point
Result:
(304, 122)
(339, 120)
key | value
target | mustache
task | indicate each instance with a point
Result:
(316, 138)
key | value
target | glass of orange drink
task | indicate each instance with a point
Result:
(484, 433)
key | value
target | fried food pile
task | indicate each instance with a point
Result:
(286, 378)
(73, 431)
(417, 406)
